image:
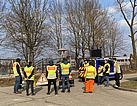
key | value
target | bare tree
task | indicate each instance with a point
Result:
(76, 26)
(56, 24)
(113, 39)
(26, 28)
(2, 8)
(129, 16)
(86, 21)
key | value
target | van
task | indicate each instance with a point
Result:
(96, 63)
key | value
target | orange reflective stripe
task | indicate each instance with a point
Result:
(51, 68)
(28, 71)
(90, 72)
(65, 68)
(14, 65)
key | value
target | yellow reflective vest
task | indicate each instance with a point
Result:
(90, 72)
(99, 70)
(28, 71)
(116, 68)
(65, 68)
(15, 69)
(52, 72)
(108, 71)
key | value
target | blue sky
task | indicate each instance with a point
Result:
(107, 3)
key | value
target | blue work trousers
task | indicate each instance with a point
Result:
(100, 80)
(65, 78)
(17, 82)
(107, 80)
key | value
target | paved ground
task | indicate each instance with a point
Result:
(102, 96)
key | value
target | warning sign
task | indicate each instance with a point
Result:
(42, 80)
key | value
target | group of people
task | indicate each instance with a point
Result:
(64, 71)
(102, 74)
(51, 75)
(28, 73)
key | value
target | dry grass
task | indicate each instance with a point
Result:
(129, 84)
(4, 82)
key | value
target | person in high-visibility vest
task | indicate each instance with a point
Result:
(29, 77)
(65, 70)
(18, 75)
(90, 75)
(117, 73)
(86, 64)
(106, 72)
(51, 75)
(100, 74)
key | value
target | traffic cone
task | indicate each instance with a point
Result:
(70, 76)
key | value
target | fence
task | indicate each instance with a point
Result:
(40, 66)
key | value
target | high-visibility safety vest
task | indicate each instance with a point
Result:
(85, 65)
(90, 72)
(116, 67)
(15, 69)
(108, 71)
(99, 70)
(65, 68)
(52, 72)
(28, 71)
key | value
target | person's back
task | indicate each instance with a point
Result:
(90, 72)
(51, 75)
(29, 77)
(90, 75)
(65, 70)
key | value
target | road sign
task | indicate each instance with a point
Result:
(42, 80)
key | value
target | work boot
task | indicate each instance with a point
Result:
(17, 92)
(56, 93)
(48, 93)
(63, 91)
(33, 94)
(85, 92)
(68, 91)
(27, 94)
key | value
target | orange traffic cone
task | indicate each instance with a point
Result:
(70, 76)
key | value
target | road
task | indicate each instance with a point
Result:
(102, 96)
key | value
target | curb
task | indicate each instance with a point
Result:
(126, 89)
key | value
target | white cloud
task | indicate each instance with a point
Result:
(111, 10)
(122, 23)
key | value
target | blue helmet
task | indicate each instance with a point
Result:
(51, 61)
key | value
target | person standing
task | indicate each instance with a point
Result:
(51, 75)
(100, 74)
(90, 75)
(65, 70)
(106, 72)
(17, 73)
(117, 73)
(29, 77)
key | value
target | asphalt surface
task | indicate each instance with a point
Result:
(101, 96)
